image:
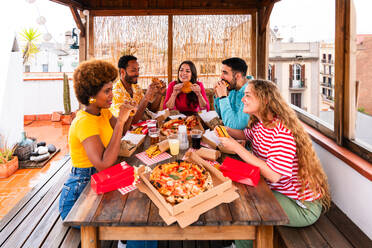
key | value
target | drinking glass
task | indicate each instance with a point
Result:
(154, 134)
(196, 136)
(174, 144)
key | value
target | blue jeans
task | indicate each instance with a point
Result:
(75, 184)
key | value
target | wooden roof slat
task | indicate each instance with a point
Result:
(79, 23)
(73, 3)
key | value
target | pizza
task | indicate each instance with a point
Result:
(171, 126)
(180, 181)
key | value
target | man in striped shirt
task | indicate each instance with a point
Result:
(284, 154)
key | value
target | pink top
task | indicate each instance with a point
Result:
(181, 103)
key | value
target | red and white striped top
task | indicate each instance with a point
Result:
(277, 147)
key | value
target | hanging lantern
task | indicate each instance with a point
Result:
(30, 1)
(41, 20)
(47, 37)
(86, 12)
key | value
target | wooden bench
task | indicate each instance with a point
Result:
(35, 222)
(333, 229)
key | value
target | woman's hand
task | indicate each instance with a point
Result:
(125, 109)
(196, 89)
(229, 143)
(177, 89)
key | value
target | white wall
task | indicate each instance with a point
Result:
(46, 97)
(351, 191)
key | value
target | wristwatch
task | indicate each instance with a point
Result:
(222, 97)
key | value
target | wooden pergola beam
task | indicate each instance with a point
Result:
(264, 18)
(150, 12)
(69, 3)
(79, 23)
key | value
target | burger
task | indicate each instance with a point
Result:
(221, 131)
(186, 87)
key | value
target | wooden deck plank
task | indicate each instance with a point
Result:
(270, 211)
(29, 223)
(56, 235)
(72, 239)
(43, 228)
(33, 207)
(34, 191)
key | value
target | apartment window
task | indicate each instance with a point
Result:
(329, 57)
(324, 69)
(45, 67)
(330, 70)
(324, 80)
(324, 56)
(297, 74)
(27, 68)
(296, 99)
(330, 82)
(324, 91)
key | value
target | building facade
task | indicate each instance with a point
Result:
(327, 75)
(294, 67)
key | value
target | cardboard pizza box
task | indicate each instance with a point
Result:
(129, 143)
(198, 126)
(210, 119)
(187, 212)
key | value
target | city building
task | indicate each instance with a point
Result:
(327, 75)
(364, 72)
(294, 67)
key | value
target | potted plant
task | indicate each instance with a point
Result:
(67, 116)
(8, 162)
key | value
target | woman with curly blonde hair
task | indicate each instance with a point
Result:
(283, 151)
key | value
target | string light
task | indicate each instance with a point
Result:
(41, 20)
(30, 1)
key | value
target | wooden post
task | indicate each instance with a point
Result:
(264, 237)
(345, 51)
(262, 46)
(254, 45)
(90, 39)
(350, 72)
(170, 47)
(89, 238)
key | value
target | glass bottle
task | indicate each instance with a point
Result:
(182, 136)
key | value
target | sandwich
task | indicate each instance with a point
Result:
(221, 131)
(227, 84)
(186, 87)
(157, 81)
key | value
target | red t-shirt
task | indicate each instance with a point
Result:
(182, 103)
(277, 147)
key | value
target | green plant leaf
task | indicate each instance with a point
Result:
(174, 176)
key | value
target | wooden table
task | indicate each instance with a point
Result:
(113, 216)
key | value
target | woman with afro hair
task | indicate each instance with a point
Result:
(95, 134)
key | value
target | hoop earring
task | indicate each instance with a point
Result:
(92, 100)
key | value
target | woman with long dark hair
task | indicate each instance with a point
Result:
(186, 95)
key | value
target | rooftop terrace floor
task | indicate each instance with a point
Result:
(13, 188)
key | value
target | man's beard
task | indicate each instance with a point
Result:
(232, 84)
(130, 79)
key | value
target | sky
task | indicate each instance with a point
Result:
(304, 20)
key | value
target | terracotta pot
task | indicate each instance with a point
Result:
(56, 116)
(67, 119)
(9, 168)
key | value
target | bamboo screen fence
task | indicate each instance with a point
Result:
(205, 40)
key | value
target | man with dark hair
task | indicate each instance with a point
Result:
(127, 89)
(229, 92)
